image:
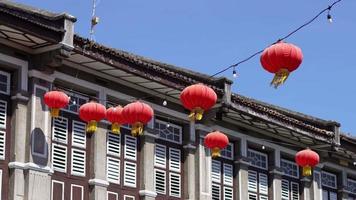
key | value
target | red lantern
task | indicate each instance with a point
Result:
(115, 116)
(137, 114)
(216, 141)
(307, 159)
(198, 98)
(91, 113)
(56, 100)
(281, 59)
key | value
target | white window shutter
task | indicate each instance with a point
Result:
(228, 193)
(130, 174)
(216, 171)
(160, 181)
(113, 144)
(228, 174)
(174, 159)
(59, 157)
(78, 134)
(216, 190)
(252, 181)
(263, 197)
(285, 189)
(294, 191)
(2, 144)
(252, 196)
(78, 162)
(160, 156)
(263, 183)
(174, 185)
(60, 130)
(3, 114)
(113, 170)
(130, 147)
(333, 196)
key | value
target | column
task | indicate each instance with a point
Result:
(147, 190)
(316, 190)
(204, 169)
(306, 187)
(19, 140)
(276, 176)
(241, 166)
(342, 186)
(190, 175)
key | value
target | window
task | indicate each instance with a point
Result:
(4, 83)
(290, 180)
(257, 175)
(351, 186)
(329, 185)
(75, 102)
(168, 171)
(222, 170)
(113, 157)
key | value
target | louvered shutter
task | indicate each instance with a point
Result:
(113, 144)
(60, 130)
(252, 196)
(160, 181)
(216, 191)
(333, 196)
(130, 174)
(78, 134)
(113, 170)
(175, 183)
(216, 171)
(228, 174)
(174, 159)
(3, 114)
(252, 181)
(160, 156)
(294, 191)
(285, 190)
(263, 197)
(130, 147)
(2, 144)
(325, 195)
(263, 183)
(59, 157)
(78, 162)
(228, 193)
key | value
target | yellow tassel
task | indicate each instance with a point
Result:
(55, 112)
(91, 127)
(115, 128)
(280, 77)
(137, 129)
(215, 152)
(307, 171)
(196, 114)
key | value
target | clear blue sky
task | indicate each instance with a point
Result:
(205, 35)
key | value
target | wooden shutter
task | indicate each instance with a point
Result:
(174, 159)
(252, 181)
(113, 170)
(78, 134)
(78, 162)
(130, 174)
(160, 156)
(160, 181)
(263, 183)
(285, 189)
(3, 114)
(174, 184)
(59, 157)
(113, 144)
(252, 196)
(216, 190)
(215, 171)
(2, 144)
(228, 193)
(60, 130)
(332, 196)
(57, 190)
(294, 191)
(77, 192)
(227, 174)
(112, 196)
(130, 147)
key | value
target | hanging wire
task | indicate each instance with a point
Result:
(282, 38)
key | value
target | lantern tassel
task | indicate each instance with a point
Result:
(55, 112)
(115, 128)
(196, 114)
(215, 152)
(137, 129)
(280, 77)
(91, 127)
(307, 171)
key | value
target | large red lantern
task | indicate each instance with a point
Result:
(137, 114)
(115, 116)
(56, 100)
(216, 141)
(281, 59)
(92, 112)
(198, 98)
(307, 159)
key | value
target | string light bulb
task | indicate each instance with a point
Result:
(168, 125)
(263, 147)
(164, 103)
(234, 73)
(330, 19)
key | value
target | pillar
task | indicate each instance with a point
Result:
(276, 176)
(342, 186)
(190, 153)
(316, 190)
(241, 166)
(203, 169)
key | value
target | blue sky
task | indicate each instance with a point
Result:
(206, 35)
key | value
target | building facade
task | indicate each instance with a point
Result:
(43, 158)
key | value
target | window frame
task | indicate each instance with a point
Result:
(261, 154)
(159, 121)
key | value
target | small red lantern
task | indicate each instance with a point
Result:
(281, 59)
(216, 141)
(137, 114)
(115, 116)
(198, 98)
(56, 100)
(307, 159)
(91, 113)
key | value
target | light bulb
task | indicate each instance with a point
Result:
(234, 74)
(168, 125)
(263, 147)
(164, 103)
(74, 102)
(330, 19)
